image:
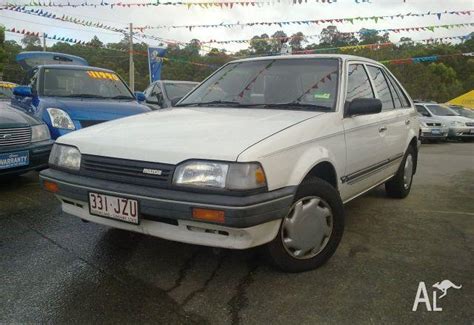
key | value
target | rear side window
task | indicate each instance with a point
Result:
(381, 87)
(403, 98)
(358, 84)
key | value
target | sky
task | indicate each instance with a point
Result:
(278, 11)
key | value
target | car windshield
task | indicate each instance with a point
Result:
(6, 90)
(309, 84)
(178, 90)
(63, 82)
(463, 112)
(441, 110)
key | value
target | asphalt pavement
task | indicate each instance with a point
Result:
(57, 269)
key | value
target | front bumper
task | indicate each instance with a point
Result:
(249, 220)
(38, 156)
(462, 132)
(434, 132)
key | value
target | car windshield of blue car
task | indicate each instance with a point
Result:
(177, 90)
(441, 110)
(295, 84)
(64, 82)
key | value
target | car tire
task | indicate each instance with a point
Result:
(399, 186)
(298, 234)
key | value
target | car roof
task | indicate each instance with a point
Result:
(342, 57)
(73, 67)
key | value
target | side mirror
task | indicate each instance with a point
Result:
(175, 101)
(140, 96)
(23, 91)
(363, 106)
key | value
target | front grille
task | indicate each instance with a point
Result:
(469, 123)
(126, 171)
(433, 124)
(15, 137)
(87, 123)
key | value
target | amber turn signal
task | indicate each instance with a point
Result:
(208, 215)
(51, 186)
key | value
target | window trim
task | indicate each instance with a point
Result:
(363, 64)
(400, 87)
(387, 80)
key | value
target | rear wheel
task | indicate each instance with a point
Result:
(400, 185)
(312, 230)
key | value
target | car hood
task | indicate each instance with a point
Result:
(452, 118)
(96, 109)
(11, 117)
(426, 119)
(173, 135)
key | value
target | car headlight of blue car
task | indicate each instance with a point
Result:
(66, 157)
(60, 119)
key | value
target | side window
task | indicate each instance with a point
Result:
(381, 87)
(403, 98)
(147, 91)
(358, 84)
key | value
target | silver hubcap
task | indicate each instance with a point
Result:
(307, 227)
(408, 172)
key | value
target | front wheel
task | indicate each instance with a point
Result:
(400, 185)
(312, 230)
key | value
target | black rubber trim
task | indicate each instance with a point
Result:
(240, 211)
(369, 170)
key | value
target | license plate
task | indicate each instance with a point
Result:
(435, 131)
(114, 207)
(14, 159)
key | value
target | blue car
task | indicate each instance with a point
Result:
(68, 94)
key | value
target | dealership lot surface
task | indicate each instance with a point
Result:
(59, 269)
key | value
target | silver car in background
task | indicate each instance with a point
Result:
(460, 127)
(432, 129)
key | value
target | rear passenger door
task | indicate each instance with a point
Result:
(365, 153)
(393, 118)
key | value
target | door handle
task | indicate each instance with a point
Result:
(407, 122)
(382, 129)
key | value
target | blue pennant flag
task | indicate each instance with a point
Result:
(155, 62)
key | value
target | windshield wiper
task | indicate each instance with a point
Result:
(120, 97)
(84, 96)
(214, 102)
(291, 105)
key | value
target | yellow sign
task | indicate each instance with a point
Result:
(7, 84)
(102, 75)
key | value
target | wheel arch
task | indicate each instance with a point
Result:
(324, 170)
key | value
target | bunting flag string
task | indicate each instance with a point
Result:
(350, 20)
(431, 58)
(358, 33)
(226, 4)
(376, 46)
(59, 38)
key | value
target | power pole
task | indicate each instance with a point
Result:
(44, 42)
(132, 67)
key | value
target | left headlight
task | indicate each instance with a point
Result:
(65, 157)
(220, 175)
(39, 133)
(60, 119)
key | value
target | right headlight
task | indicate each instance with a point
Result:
(220, 175)
(60, 119)
(423, 124)
(65, 157)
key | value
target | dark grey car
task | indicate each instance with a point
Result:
(166, 93)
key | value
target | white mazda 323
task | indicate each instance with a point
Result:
(265, 151)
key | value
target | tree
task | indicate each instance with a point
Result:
(278, 39)
(3, 54)
(31, 43)
(193, 47)
(331, 37)
(371, 36)
(260, 44)
(296, 40)
(95, 42)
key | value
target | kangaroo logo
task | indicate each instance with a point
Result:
(444, 285)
